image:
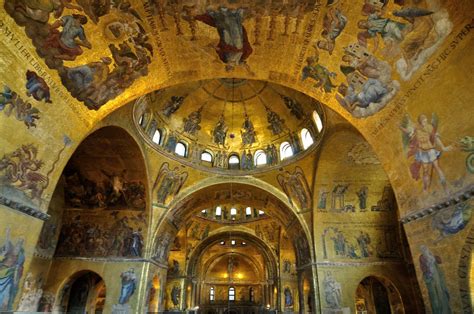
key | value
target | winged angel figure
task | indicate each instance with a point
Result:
(421, 141)
(168, 182)
(296, 188)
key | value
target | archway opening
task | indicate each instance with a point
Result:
(377, 296)
(86, 293)
(232, 271)
(234, 246)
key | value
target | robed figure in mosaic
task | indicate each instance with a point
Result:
(434, 281)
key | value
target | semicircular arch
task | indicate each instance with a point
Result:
(267, 252)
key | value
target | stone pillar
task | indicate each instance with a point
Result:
(200, 288)
(277, 294)
(194, 293)
(301, 299)
(315, 297)
(264, 295)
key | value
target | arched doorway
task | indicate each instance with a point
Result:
(85, 293)
(377, 296)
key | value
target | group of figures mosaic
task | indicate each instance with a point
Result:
(11, 103)
(112, 191)
(406, 37)
(358, 244)
(338, 203)
(219, 134)
(96, 82)
(119, 238)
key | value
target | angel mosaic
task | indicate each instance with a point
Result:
(412, 32)
(334, 23)
(168, 183)
(369, 82)
(66, 38)
(423, 145)
(296, 188)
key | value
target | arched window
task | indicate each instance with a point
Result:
(251, 295)
(156, 137)
(206, 156)
(260, 158)
(234, 162)
(248, 212)
(306, 138)
(285, 150)
(218, 211)
(317, 121)
(180, 149)
(233, 212)
(141, 120)
(152, 128)
(261, 213)
(212, 294)
(231, 294)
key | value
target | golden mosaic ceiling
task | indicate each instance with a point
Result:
(372, 61)
(355, 52)
(253, 114)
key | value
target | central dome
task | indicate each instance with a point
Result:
(210, 121)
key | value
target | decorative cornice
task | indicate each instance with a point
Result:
(457, 198)
(25, 209)
(42, 256)
(360, 264)
(109, 259)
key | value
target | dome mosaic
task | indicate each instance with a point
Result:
(230, 124)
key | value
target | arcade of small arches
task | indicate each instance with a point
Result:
(159, 119)
(233, 214)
